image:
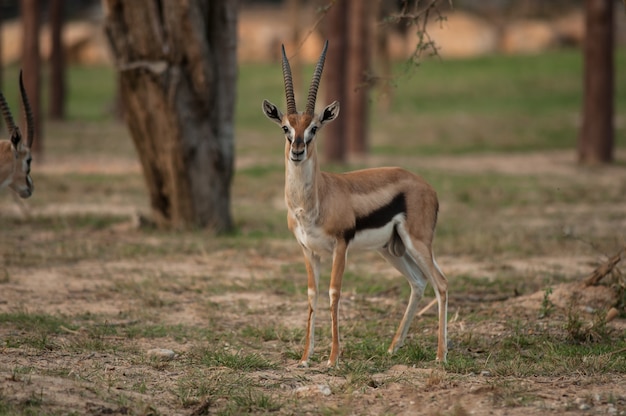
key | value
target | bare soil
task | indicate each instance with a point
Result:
(63, 381)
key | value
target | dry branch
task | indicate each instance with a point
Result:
(427, 307)
(604, 269)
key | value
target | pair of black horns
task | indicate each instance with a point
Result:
(315, 83)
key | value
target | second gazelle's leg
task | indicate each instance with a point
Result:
(334, 292)
(312, 263)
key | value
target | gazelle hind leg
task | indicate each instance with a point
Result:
(422, 255)
(441, 292)
(414, 276)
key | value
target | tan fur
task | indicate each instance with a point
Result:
(14, 171)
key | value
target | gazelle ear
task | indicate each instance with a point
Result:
(272, 112)
(330, 113)
(16, 137)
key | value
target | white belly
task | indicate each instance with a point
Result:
(372, 238)
(316, 240)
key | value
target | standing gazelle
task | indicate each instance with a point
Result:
(15, 155)
(388, 210)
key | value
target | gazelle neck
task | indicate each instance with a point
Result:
(302, 185)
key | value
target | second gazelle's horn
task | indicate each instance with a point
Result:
(315, 82)
(291, 100)
(6, 114)
(28, 114)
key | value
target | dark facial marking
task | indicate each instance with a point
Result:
(379, 217)
(274, 113)
(327, 114)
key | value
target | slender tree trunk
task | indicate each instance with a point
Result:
(383, 54)
(1, 60)
(595, 143)
(177, 64)
(57, 62)
(296, 60)
(346, 78)
(357, 77)
(31, 64)
(335, 81)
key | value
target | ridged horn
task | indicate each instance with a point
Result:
(28, 114)
(315, 82)
(291, 100)
(6, 114)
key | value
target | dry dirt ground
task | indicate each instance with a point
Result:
(62, 381)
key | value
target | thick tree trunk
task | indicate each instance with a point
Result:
(177, 69)
(57, 62)
(31, 64)
(595, 143)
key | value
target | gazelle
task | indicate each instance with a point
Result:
(15, 155)
(389, 210)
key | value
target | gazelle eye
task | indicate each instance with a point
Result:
(313, 129)
(285, 129)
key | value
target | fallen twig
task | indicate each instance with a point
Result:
(604, 269)
(427, 307)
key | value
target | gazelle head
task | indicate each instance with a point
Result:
(300, 128)
(15, 154)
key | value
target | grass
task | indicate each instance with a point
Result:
(84, 294)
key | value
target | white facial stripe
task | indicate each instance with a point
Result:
(308, 133)
(290, 132)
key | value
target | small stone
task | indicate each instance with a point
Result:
(324, 389)
(584, 406)
(313, 390)
(485, 373)
(161, 354)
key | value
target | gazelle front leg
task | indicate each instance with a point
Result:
(334, 292)
(312, 263)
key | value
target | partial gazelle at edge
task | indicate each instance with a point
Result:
(15, 157)
(389, 210)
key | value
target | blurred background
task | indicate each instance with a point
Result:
(173, 91)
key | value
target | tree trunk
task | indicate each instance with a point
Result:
(31, 64)
(335, 82)
(57, 62)
(295, 62)
(1, 60)
(177, 66)
(595, 143)
(357, 86)
(347, 64)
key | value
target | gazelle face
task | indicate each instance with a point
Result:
(15, 157)
(300, 129)
(22, 183)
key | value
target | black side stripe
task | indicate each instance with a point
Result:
(377, 218)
